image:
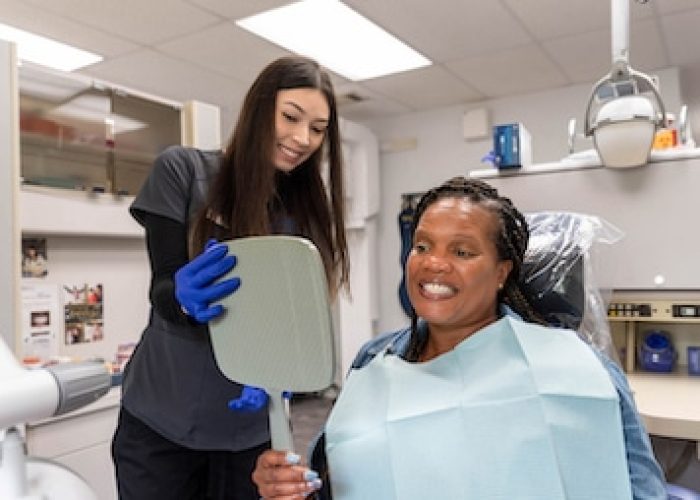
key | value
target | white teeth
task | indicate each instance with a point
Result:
(438, 289)
(289, 152)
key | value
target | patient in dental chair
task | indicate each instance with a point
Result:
(480, 398)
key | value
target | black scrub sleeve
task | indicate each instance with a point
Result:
(166, 240)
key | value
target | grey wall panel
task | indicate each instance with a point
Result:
(656, 206)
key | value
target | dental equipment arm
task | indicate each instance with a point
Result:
(32, 394)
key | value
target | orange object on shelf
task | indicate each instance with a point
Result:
(665, 138)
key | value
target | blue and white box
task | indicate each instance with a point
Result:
(512, 146)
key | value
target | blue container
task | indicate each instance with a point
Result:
(656, 353)
(693, 360)
(512, 146)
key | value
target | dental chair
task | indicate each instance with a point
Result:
(558, 272)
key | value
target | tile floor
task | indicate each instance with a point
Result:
(308, 416)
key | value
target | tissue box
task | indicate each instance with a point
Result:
(512, 145)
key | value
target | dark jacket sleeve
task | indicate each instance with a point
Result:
(166, 241)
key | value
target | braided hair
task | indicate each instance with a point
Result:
(511, 240)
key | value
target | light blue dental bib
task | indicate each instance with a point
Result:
(516, 411)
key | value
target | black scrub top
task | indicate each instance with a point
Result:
(172, 382)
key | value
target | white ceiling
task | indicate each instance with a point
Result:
(192, 49)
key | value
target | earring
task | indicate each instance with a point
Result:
(500, 286)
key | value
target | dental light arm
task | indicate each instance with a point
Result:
(27, 395)
(625, 108)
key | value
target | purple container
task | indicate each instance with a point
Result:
(694, 360)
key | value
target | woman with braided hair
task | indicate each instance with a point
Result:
(478, 399)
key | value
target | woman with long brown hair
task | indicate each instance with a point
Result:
(176, 438)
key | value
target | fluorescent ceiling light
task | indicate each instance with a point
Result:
(337, 37)
(40, 50)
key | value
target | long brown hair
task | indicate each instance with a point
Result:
(511, 239)
(248, 189)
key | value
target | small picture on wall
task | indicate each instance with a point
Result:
(35, 263)
(83, 313)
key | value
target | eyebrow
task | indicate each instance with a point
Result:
(456, 237)
(302, 110)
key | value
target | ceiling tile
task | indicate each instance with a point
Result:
(586, 58)
(682, 38)
(525, 69)
(583, 58)
(373, 105)
(140, 21)
(227, 49)
(424, 88)
(238, 10)
(370, 110)
(670, 6)
(546, 19)
(35, 20)
(543, 18)
(445, 33)
(647, 49)
(161, 75)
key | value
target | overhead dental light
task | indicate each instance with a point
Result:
(625, 108)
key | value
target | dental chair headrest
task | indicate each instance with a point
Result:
(553, 270)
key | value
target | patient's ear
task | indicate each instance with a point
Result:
(504, 269)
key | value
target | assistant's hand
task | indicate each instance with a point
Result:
(280, 475)
(195, 289)
(251, 399)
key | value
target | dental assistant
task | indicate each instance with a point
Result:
(176, 437)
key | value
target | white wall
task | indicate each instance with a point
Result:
(121, 266)
(441, 152)
(9, 181)
(357, 313)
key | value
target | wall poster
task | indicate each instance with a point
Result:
(41, 322)
(82, 306)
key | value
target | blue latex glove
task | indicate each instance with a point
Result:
(252, 399)
(195, 289)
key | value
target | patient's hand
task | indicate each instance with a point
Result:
(281, 475)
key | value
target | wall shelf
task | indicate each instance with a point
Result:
(581, 161)
(51, 211)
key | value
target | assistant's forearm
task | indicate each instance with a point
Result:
(167, 251)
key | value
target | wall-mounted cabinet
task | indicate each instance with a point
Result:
(79, 134)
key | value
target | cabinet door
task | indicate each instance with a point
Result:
(62, 130)
(142, 129)
(82, 443)
(94, 464)
(78, 134)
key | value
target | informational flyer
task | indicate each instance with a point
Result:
(82, 307)
(41, 321)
